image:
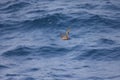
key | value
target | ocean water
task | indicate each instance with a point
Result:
(31, 47)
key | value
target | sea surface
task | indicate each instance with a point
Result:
(31, 47)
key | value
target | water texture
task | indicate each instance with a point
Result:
(31, 47)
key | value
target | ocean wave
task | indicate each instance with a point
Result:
(99, 19)
(110, 6)
(55, 19)
(62, 20)
(46, 51)
(100, 54)
(12, 6)
(87, 6)
(106, 41)
(3, 67)
(47, 20)
(19, 51)
(52, 51)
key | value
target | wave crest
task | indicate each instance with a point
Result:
(19, 51)
(13, 7)
(100, 54)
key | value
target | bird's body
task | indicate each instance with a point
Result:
(66, 35)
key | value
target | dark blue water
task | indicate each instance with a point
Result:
(31, 47)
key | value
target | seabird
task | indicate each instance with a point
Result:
(66, 35)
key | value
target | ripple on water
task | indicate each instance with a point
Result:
(3, 67)
(19, 51)
(100, 54)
